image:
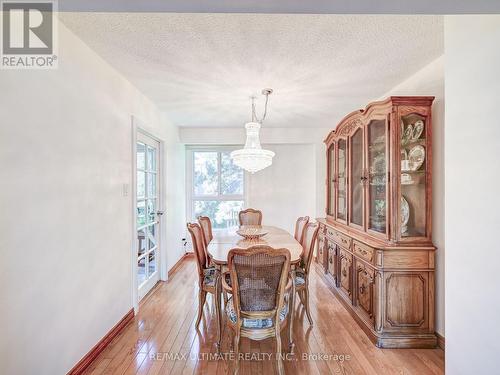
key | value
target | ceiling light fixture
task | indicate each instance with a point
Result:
(252, 157)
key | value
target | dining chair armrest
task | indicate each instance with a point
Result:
(225, 285)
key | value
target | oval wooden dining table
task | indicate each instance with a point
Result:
(225, 240)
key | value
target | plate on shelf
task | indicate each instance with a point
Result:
(416, 157)
(405, 215)
(407, 134)
(418, 128)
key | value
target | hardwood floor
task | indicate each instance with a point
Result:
(162, 339)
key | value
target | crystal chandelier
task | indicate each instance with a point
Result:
(252, 157)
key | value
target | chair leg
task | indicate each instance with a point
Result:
(279, 355)
(308, 310)
(301, 296)
(202, 295)
(237, 350)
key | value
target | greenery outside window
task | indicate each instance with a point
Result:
(216, 187)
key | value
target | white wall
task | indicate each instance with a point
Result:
(472, 87)
(285, 190)
(430, 81)
(65, 152)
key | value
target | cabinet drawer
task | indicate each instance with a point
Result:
(343, 240)
(363, 251)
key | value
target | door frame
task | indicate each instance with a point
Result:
(140, 127)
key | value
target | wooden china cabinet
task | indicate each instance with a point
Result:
(375, 244)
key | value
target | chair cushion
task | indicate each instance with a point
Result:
(300, 277)
(209, 278)
(256, 323)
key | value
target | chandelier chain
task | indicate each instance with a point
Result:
(254, 113)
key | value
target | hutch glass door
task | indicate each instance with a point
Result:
(356, 178)
(377, 176)
(342, 181)
(413, 176)
(331, 180)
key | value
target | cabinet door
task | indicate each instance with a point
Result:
(331, 180)
(414, 201)
(342, 180)
(320, 252)
(365, 279)
(356, 179)
(332, 260)
(378, 175)
(345, 275)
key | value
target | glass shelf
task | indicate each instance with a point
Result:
(377, 181)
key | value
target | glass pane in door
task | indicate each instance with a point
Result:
(377, 167)
(141, 270)
(357, 183)
(413, 176)
(342, 180)
(147, 189)
(331, 180)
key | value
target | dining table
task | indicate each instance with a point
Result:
(226, 239)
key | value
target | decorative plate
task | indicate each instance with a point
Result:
(418, 128)
(405, 215)
(407, 134)
(251, 233)
(416, 157)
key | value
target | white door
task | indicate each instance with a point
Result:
(147, 213)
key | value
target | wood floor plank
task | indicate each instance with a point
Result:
(164, 327)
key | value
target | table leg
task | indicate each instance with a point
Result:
(218, 290)
(291, 344)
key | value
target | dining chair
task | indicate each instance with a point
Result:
(206, 226)
(259, 303)
(302, 272)
(207, 276)
(250, 217)
(300, 225)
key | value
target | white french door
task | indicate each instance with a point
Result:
(147, 213)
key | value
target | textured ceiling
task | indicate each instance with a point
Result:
(201, 68)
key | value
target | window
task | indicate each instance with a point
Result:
(216, 186)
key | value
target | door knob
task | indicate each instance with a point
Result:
(159, 213)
